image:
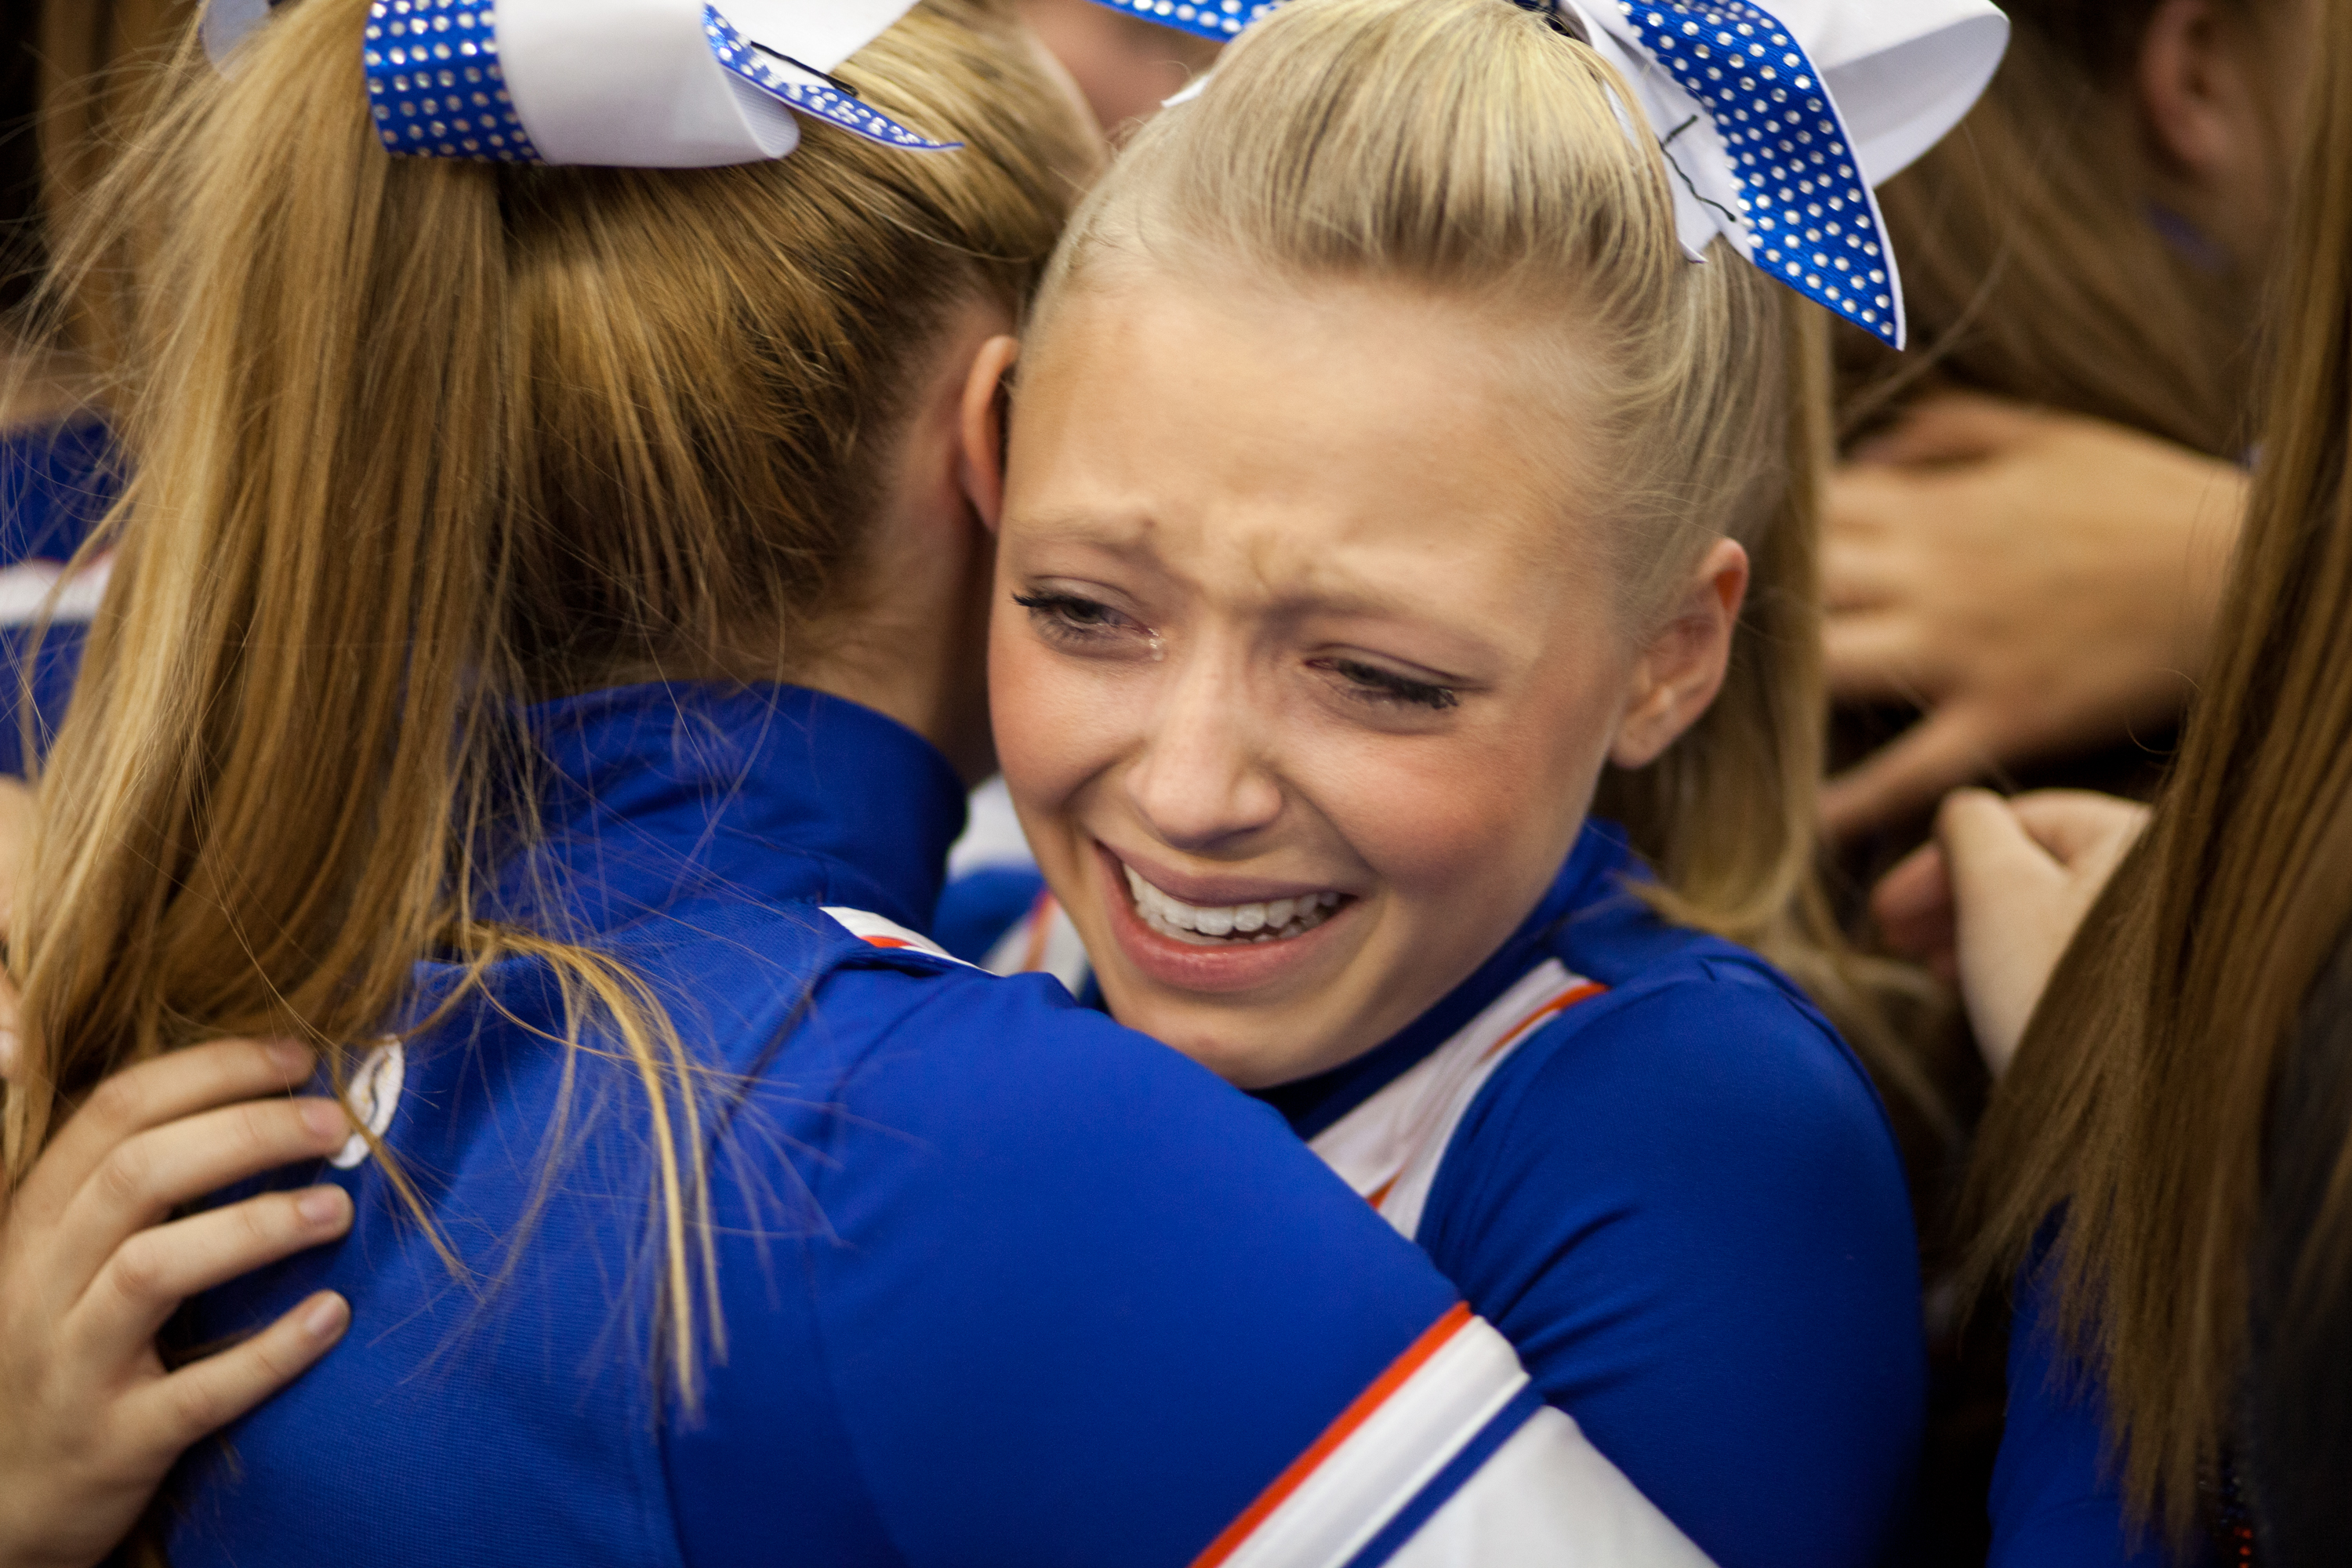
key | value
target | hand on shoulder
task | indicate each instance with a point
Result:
(91, 1264)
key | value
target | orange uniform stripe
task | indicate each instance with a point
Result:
(1557, 1004)
(1560, 1003)
(1399, 1374)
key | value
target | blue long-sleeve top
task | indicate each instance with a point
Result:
(1682, 1204)
(1001, 1283)
(2057, 1500)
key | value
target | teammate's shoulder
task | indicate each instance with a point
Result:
(1702, 1040)
(1657, 972)
(1019, 1038)
(806, 992)
(1699, 988)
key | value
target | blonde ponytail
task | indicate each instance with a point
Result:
(418, 444)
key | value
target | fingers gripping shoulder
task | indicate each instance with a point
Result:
(1449, 1458)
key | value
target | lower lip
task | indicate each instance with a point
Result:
(1224, 969)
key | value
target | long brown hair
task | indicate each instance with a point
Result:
(2137, 1104)
(416, 443)
(1468, 147)
(2037, 263)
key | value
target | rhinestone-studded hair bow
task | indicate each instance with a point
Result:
(1776, 126)
(664, 84)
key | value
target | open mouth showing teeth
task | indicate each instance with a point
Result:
(1275, 920)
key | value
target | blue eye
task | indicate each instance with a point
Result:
(1071, 618)
(1377, 685)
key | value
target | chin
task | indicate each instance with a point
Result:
(1246, 1063)
(1246, 1069)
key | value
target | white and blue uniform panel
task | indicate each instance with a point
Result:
(55, 482)
(1003, 1283)
(1679, 1199)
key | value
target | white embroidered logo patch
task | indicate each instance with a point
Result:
(374, 1096)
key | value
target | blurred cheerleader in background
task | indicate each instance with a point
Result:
(2164, 1169)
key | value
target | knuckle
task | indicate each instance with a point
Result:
(267, 1366)
(140, 1268)
(258, 1128)
(126, 1176)
(243, 1062)
(269, 1223)
(194, 1406)
(121, 1101)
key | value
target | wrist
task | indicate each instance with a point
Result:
(2213, 550)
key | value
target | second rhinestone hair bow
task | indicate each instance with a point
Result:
(1776, 124)
(663, 84)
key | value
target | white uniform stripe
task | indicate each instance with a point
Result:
(1547, 1499)
(35, 589)
(1390, 1148)
(1394, 1452)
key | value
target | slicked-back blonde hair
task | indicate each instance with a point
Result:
(1469, 149)
(418, 443)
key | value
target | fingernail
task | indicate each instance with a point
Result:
(323, 1207)
(292, 1056)
(12, 1053)
(326, 1118)
(326, 1316)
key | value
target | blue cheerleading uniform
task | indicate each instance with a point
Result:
(1000, 1281)
(2056, 1500)
(56, 483)
(1642, 1154)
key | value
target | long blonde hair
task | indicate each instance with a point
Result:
(418, 443)
(1468, 148)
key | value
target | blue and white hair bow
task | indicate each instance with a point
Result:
(1777, 125)
(660, 84)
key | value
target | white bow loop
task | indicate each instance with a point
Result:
(663, 84)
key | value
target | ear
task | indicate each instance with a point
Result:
(1679, 673)
(985, 398)
(2200, 100)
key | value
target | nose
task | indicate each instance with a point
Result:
(1199, 780)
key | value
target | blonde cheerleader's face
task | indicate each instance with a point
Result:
(1305, 660)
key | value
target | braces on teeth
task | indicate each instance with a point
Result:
(1275, 920)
